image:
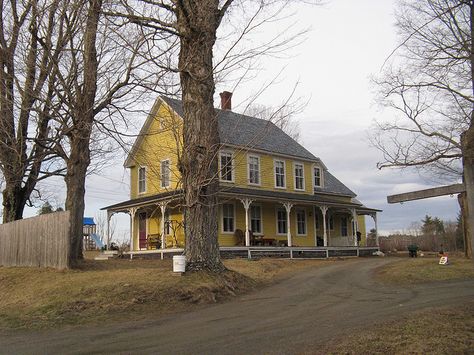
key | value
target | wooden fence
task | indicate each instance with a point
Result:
(41, 241)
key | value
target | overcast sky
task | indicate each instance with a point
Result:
(347, 43)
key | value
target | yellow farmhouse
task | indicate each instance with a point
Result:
(272, 191)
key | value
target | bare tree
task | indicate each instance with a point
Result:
(429, 82)
(30, 43)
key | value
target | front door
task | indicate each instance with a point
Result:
(142, 240)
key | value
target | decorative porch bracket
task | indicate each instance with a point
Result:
(132, 211)
(288, 206)
(374, 217)
(163, 211)
(246, 202)
(109, 217)
(355, 225)
(324, 210)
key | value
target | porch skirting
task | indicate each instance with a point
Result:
(257, 252)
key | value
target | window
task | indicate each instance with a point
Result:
(301, 222)
(281, 221)
(299, 176)
(316, 220)
(228, 218)
(331, 222)
(167, 223)
(280, 173)
(141, 179)
(165, 173)
(254, 169)
(317, 176)
(256, 219)
(226, 166)
(344, 227)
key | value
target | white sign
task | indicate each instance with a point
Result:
(443, 260)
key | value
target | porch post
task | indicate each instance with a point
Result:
(109, 216)
(163, 211)
(374, 216)
(324, 210)
(354, 225)
(132, 212)
(288, 206)
(246, 202)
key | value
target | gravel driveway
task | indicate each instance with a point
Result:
(293, 315)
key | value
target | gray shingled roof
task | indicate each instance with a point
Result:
(333, 186)
(251, 132)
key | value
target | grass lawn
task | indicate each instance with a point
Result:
(425, 269)
(123, 289)
(447, 330)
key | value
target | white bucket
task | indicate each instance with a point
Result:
(179, 263)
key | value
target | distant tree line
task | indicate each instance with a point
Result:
(432, 234)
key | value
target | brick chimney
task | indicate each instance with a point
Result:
(226, 100)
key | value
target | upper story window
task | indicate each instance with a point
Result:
(165, 173)
(300, 222)
(299, 176)
(317, 176)
(141, 179)
(254, 169)
(228, 218)
(256, 219)
(280, 180)
(226, 166)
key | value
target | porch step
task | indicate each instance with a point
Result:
(106, 255)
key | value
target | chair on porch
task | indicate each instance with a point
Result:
(239, 237)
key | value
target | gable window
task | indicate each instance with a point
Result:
(256, 219)
(300, 222)
(280, 173)
(254, 169)
(299, 176)
(228, 218)
(317, 176)
(226, 168)
(344, 227)
(165, 173)
(281, 221)
(141, 179)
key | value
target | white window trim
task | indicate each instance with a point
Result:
(320, 176)
(305, 222)
(222, 218)
(161, 173)
(138, 179)
(276, 222)
(284, 173)
(261, 218)
(294, 176)
(259, 170)
(232, 167)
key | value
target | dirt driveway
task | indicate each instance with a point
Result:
(289, 317)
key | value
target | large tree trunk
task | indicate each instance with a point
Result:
(465, 225)
(14, 201)
(197, 27)
(79, 158)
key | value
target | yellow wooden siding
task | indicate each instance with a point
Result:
(267, 172)
(160, 143)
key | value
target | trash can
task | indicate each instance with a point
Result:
(179, 263)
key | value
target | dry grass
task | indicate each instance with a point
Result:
(433, 331)
(124, 289)
(427, 269)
